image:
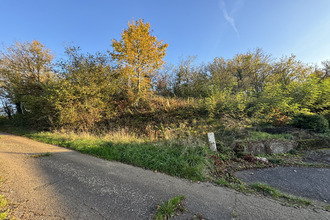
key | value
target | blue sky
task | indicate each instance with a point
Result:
(205, 28)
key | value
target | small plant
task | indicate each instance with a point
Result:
(293, 152)
(41, 155)
(170, 208)
(3, 202)
(276, 161)
(234, 214)
(3, 215)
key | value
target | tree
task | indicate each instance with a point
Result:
(190, 80)
(86, 91)
(222, 77)
(250, 70)
(5, 103)
(326, 69)
(288, 70)
(164, 81)
(25, 68)
(138, 54)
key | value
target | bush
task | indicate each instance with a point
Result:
(311, 121)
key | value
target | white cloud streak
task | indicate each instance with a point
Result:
(229, 19)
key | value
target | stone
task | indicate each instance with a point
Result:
(277, 146)
(263, 147)
(264, 159)
(255, 147)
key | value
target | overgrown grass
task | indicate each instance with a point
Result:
(186, 162)
(170, 208)
(276, 194)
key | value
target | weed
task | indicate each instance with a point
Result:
(41, 155)
(170, 208)
(234, 215)
(276, 161)
(4, 203)
(233, 183)
(276, 194)
(3, 215)
(266, 189)
(293, 152)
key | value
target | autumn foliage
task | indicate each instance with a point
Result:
(129, 86)
(139, 55)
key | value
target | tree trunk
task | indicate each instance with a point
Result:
(19, 109)
(7, 111)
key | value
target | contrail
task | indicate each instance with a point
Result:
(222, 6)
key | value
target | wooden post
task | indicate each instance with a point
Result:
(212, 143)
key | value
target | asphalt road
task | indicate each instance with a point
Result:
(71, 185)
(308, 182)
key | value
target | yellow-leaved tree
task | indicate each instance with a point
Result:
(25, 71)
(138, 55)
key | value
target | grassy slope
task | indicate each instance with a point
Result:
(172, 159)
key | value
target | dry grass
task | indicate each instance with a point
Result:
(122, 136)
(172, 103)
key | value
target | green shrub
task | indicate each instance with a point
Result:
(310, 121)
(310, 144)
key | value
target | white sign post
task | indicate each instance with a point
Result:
(212, 143)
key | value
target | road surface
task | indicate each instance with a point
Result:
(71, 185)
(307, 182)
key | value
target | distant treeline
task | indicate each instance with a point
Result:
(87, 91)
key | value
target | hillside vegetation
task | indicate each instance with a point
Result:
(129, 100)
